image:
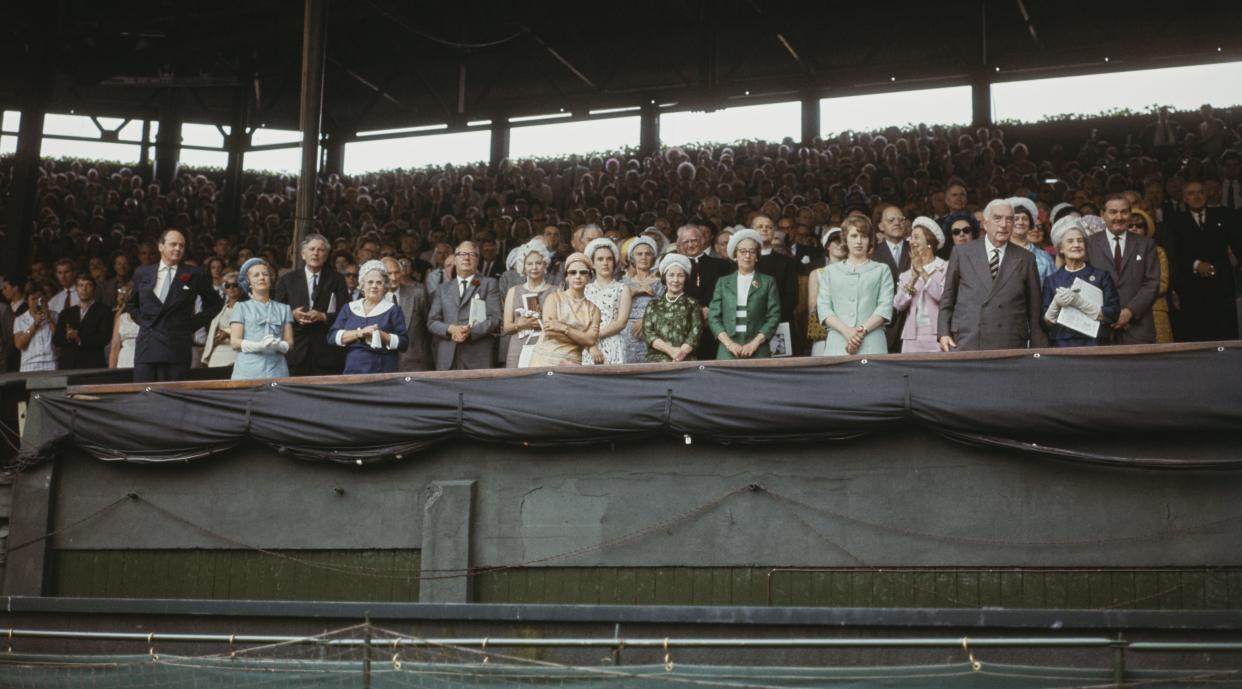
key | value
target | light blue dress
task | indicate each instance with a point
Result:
(854, 294)
(1045, 265)
(258, 321)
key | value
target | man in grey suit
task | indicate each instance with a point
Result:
(991, 297)
(460, 341)
(413, 302)
(1130, 259)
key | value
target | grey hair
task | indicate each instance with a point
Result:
(313, 237)
(689, 227)
(987, 210)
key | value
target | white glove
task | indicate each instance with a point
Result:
(252, 347)
(267, 342)
(1064, 297)
(1054, 310)
(281, 346)
(1081, 303)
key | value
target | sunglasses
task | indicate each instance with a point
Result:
(578, 272)
(228, 285)
(962, 231)
(350, 275)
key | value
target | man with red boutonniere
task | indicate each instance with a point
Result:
(465, 315)
(162, 303)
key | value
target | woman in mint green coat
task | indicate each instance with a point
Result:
(745, 307)
(856, 295)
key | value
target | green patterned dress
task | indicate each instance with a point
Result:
(676, 322)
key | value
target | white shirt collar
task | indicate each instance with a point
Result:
(357, 307)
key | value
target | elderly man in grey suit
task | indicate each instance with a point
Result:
(991, 297)
(413, 302)
(465, 315)
(1130, 260)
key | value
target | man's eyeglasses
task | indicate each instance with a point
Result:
(466, 254)
(578, 272)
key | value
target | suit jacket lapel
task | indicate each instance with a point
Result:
(1131, 251)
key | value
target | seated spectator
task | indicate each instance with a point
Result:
(371, 329)
(261, 328)
(84, 330)
(524, 302)
(745, 307)
(672, 321)
(33, 330)
(1059, 292)
(570, 320)
(855, 299)
(218, 351)
(919, 288)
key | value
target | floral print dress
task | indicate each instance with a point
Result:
(608, 299)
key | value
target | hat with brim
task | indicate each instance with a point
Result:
(741, 236)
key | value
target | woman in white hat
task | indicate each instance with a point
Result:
(919, 288)
(834, 252)
(856, 295)
(1024, 216)
(524, 301)
(645, 287)
(1062, 291)
(746, 307)
(612, 298)
(674, 320)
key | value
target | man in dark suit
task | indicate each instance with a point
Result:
(782, 268)
(465, 316)
(413, 302)
(315, 294)
(705, 270)
(491, 262)
(893, 251)
(991, 297)
(1198, 244)
(162, 303)
(1131, 260)
(83, 330)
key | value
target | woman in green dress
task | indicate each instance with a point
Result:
(746, 307)
(673, 321)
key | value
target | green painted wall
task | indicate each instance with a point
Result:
(391, 575)
(1149, 589)
(314, 575)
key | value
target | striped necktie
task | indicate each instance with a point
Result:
(994, 263)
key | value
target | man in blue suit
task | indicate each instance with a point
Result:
(162, 303)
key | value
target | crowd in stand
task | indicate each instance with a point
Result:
(906, 240)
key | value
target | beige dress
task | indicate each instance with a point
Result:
(555, 349)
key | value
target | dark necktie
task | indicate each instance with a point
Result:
(1117, 254)
(314, 289)
(994, 263)
(1199, 219)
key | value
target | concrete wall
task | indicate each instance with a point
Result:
(905, 498)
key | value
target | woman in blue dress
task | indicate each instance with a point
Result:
(261, 328)
(371, 329)
(1070, 237)
(856, 295)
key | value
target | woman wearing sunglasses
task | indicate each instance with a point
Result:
(570, 320)
(218, 352)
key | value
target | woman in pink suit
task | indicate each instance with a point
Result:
(919, 288)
